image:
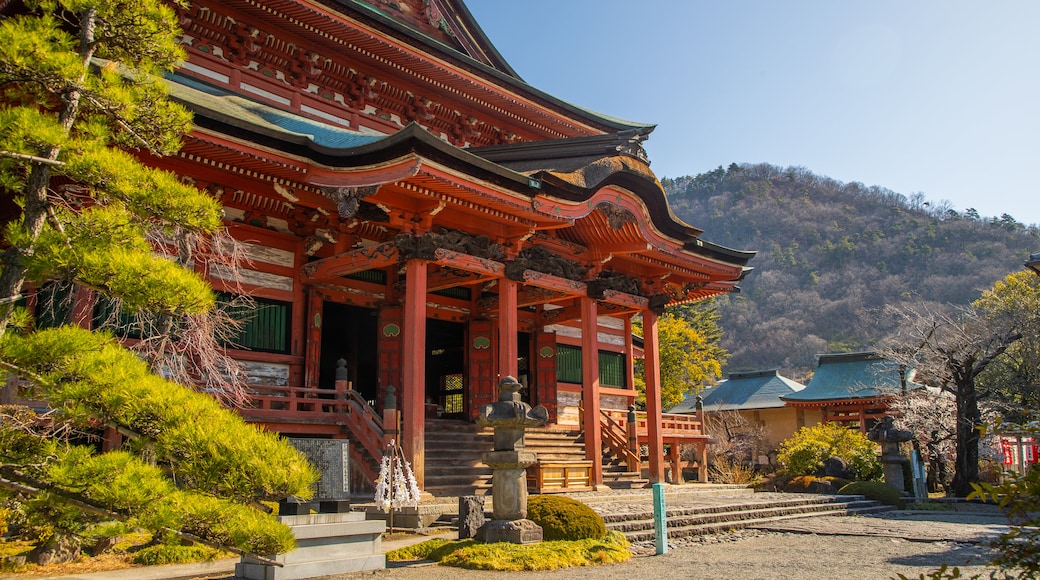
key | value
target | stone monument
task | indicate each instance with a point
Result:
(509, 417)
(889, 437)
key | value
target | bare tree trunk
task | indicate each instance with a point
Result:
(969, 420)
(36, 203)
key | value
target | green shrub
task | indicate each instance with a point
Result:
(161, 554)
(875, 490)
(563, 518)
(805, 452)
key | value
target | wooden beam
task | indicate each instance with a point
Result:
(458, 260)
(565, 314)
(371, 258)
(450, 278)
(556, 283)
(624, 299)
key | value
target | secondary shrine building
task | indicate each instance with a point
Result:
(420, 222)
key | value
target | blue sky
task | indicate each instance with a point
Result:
(939, 98)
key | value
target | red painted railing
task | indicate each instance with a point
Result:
(673, 426)
(339, 406)
(615, 435)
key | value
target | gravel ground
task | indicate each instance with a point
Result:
(850, 547)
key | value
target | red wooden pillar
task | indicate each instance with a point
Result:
(630, 356)
(545, 372)
(388, 351)
(507, 328)
(652, 359)
(413, 374)
(312, 363)
(590, 387)
(702, 462)
(675, 456)
(83, 307)
(480, 381)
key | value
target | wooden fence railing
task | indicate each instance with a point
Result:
(342, 405)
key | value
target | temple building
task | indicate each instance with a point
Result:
(420, 222)
(855, 389)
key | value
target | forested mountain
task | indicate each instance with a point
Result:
(832, 254)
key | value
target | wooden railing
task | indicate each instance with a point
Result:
(341, 405)
(616, 436)
(673, 426)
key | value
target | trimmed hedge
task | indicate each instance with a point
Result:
(563, 518)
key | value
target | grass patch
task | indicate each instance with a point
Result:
(161, 554)
(129, 551)
(508, 557)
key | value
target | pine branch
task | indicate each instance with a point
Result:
(34, 487)
(32, 158)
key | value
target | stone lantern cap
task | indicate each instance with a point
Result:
(509, 416)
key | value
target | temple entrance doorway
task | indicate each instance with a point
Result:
(445, 369)
(523, 366)
(349, 333)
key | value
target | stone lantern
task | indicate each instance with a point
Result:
(509, 417)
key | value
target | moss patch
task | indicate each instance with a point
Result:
(503, 556)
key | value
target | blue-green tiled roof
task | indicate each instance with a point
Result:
(743, 391)
(853, 376)
(200, 97)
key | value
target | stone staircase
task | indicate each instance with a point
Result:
(454, 449)
(695, 510)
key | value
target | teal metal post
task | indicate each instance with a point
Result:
(660, 520)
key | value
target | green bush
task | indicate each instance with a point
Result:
(563, 518)
(875, 490)
(805, 452)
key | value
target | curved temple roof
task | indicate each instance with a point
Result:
(575, 173)
(743, 392)
(859, 375)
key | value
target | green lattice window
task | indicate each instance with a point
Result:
(266, 325)
(54, 304)
(612, 367)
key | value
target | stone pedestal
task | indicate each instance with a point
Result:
(509, 482)
(512, 531)
(326, 544)
(885, 434)
(893, 462)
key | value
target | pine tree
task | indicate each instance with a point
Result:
(83, 92)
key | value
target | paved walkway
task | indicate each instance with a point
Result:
(942, 534)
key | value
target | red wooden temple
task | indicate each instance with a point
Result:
(418, 217)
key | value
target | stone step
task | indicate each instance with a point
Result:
(731, 506)
(637, 523)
